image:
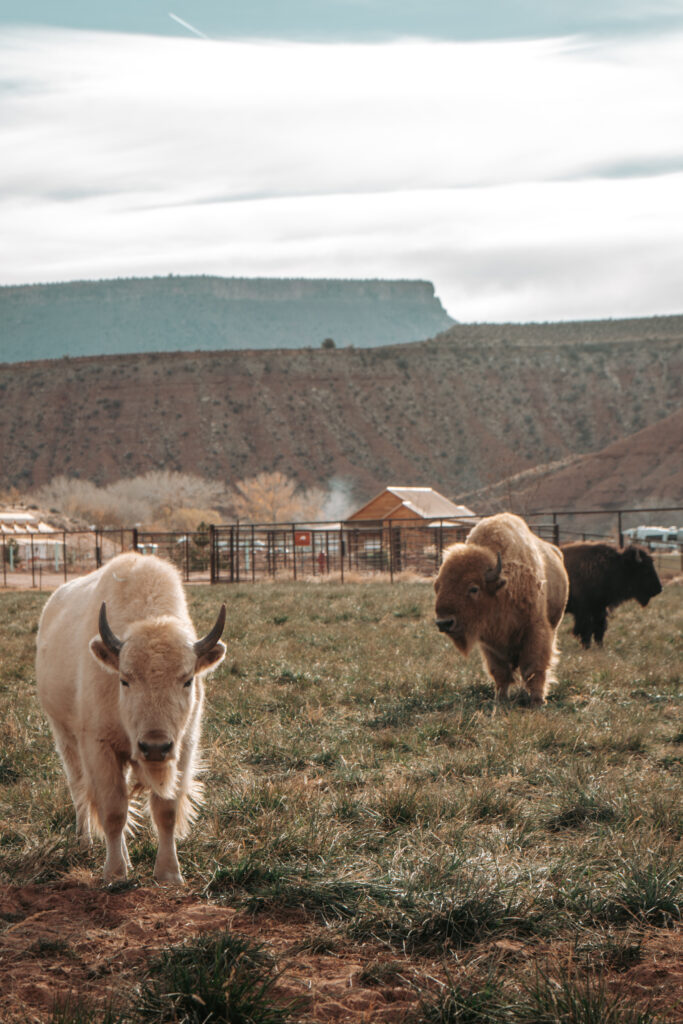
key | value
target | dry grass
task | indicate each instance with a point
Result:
(362, 779)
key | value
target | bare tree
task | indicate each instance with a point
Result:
(164, 489)
(160, 499)
(274, 498)
(179, 501)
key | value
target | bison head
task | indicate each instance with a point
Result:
(158, 663)
(466, 589)
(642, 575)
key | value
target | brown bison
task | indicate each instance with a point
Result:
(119, 671)
(601, 577)
(504, 589)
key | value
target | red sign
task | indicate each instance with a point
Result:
(302, 539)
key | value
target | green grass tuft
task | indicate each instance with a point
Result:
(223, 980)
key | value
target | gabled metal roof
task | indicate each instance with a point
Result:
(424, 502)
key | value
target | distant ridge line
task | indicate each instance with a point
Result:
(130, 316)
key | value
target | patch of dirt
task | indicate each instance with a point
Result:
(659, 978)
(75, 938)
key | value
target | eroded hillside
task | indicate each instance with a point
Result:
(457, 412)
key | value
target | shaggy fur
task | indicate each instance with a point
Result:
(513, 614)
(104, 707)
(601, 577)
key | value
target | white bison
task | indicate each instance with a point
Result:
(125, 704)
(505, 589)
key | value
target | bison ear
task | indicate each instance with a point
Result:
(107, 657)
(209, 659)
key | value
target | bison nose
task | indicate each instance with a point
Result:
(155, 750)
(445, 625)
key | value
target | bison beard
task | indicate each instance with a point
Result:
(601, 577)
(504, 590)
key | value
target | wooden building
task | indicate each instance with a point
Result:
(407, 528)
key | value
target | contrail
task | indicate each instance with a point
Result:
(187, 25)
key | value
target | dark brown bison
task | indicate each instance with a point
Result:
(504, 589)
(602, 576)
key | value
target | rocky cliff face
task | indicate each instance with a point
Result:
(457, 412)
(212, 313)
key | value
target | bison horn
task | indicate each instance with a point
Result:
(491, 575)
(109, 638)
(209, 641)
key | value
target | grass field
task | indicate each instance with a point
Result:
(379, 841)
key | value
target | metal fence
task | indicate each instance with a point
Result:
(298, 551)
(192, 552)
(44, 560)
(615, 525)
(619, 526)
(246, 553)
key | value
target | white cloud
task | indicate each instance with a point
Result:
(473, 165)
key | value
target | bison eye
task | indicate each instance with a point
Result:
(188, 683)
(124, 683)
(474, 589)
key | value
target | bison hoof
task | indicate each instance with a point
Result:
(113, 876)
(169, 878)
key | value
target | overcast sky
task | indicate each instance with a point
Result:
(530, 166)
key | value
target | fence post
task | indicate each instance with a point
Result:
(135, 538)
(341, 551)
(212, 552)
(253, 554)
(621, 533)
(4, 561)
(391, 552)
(64, 554)
(232, 554)
(293, 549)
(556, 530)
(237, 549)
(33, 562)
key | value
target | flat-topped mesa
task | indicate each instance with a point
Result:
(173, 314)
